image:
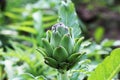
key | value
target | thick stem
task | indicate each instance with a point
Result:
(63, 76)
(67, 1)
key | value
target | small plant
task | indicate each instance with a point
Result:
(61, 49)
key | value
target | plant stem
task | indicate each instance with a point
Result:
(67, 1)
(63, 76)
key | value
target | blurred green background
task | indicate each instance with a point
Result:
(23, 23)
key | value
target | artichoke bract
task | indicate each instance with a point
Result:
(60, 48)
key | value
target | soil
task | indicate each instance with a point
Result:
(100, 16)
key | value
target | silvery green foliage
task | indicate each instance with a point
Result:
(60, 48)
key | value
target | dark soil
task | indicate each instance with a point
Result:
(100, 16)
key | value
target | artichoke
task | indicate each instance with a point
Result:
(60, 48)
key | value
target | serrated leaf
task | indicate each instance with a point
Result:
(68, 17)
(108, 68)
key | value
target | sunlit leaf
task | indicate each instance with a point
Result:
(49, 18)
(12, 16)
(27, 29)
(108, 68)
(99, 33)
(27, 23)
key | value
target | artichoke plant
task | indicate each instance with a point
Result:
(60, 48)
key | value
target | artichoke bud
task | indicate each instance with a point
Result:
(55, 40)
(48, 35)
(77, 45)
(42, 52)
(61, 28)
(67, 42)
(47, 47)
(76, 39)
(61, 49)
(60, 54)
(78, 58)
(75, 61)
(85, 44)
(73, 57)
(63, 65)
(51, 62)
(71, 32)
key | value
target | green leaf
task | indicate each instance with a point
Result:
(25, 76)
(108, 68)
(27, 23)
(60, 53)
(55, 40)
(108, 43)
(12, 16)
(67, 42)
(98, 35)
(69, 17)
(49, 24)
(27, 29)
(49, 18)
(51, 62)
(47, 47)
(40, 78)
(78, 44)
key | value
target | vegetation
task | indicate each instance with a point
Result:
(59, 40)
